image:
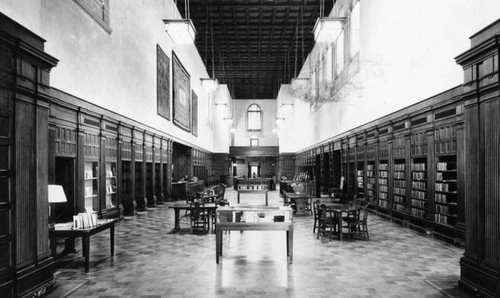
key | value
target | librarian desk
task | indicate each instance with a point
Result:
(85, 234)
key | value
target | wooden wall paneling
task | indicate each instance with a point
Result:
(127, 165)
(26, 266)
(480, 265)
(149, 182)
(158, 172)
(140, 170)
(461, 183)
(490, 121)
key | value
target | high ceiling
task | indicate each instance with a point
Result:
(257, 45)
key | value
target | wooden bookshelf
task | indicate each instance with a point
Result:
(383, 186)
(419, 187)
(445, 196)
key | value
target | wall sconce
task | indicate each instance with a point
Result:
(286, 105)
(279, 122)
(181, 31)
(220, 104)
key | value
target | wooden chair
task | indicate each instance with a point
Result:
(316, 214)
(335, 194)
(199, 217)
(359, 226)
(328, 221)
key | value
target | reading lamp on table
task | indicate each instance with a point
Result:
(56, 195)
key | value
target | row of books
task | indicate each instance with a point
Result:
(84, 220)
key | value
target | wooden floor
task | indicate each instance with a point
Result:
(150, 261)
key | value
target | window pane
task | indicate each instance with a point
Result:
(253, 116)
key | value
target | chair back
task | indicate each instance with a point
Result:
(196, 208)
(316, 206)
(365, 213)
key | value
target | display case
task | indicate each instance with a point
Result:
(111, 196)
(91, 184)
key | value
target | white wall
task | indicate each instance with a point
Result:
(407, 51)
(116, 71)
(266, 136)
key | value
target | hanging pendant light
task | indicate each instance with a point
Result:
(210, 84)
(327, 29)
(181, 31)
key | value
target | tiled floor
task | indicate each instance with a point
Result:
(150, 261)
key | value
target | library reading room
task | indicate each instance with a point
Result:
(249, 148)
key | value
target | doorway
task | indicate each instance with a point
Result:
(65, 176)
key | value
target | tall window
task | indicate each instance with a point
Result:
(340, 53)
(254, 118)
(355, 27)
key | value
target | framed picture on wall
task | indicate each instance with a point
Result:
(162, 83)
(181, 82)
(254, 142)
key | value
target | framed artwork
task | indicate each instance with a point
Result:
(254, 142)
(181, 82)
(162, 83)
(194, 100)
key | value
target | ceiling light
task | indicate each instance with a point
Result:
(181, 31)
(327, 29)
(209, 84)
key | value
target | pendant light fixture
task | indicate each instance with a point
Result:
(181, 30)
(209, 84)
(327, 29)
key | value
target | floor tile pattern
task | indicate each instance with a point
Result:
(150, 261)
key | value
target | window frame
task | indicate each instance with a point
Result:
(258, 114)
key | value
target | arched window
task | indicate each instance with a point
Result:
(254, 118)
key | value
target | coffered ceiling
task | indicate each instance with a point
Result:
(254, 46)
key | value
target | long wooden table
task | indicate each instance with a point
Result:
(286, 225)
(246, 191)
(85, 234)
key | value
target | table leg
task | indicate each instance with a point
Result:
(53, 246)
(86, 251)
(176, 219)
(340, 225)
(266, 198)
(290, 244)
(112, 238)
(238, 197)
(217, 245)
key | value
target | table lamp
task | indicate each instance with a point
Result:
(56, 195)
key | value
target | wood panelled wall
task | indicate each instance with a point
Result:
(480, 265)
(26, 265)
(406, 162)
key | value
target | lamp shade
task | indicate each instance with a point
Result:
(181, 31)
(209, 84)
(328, 29)
(56, 194)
